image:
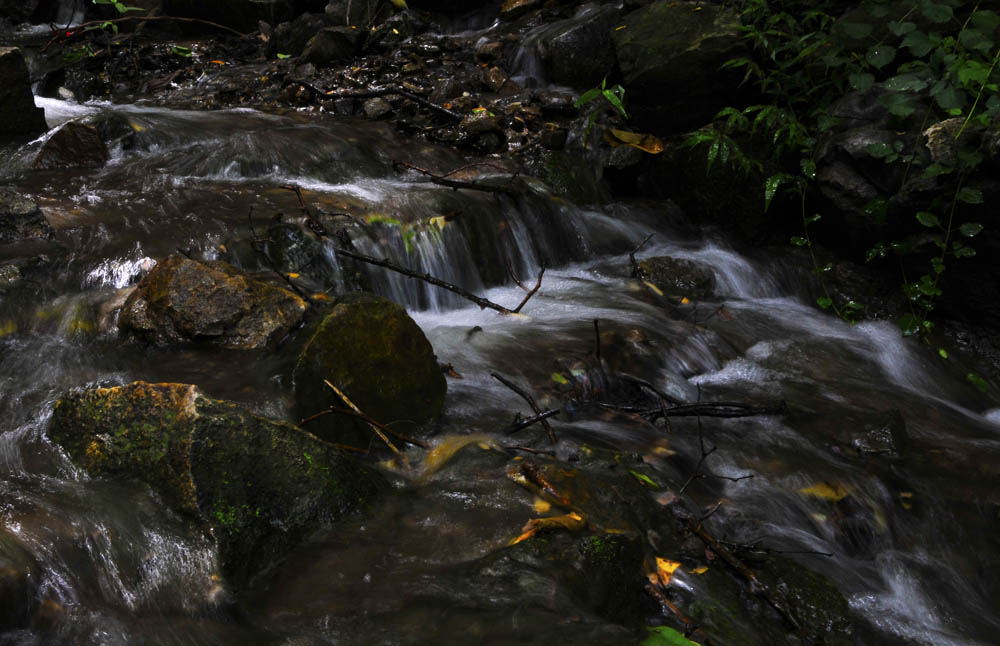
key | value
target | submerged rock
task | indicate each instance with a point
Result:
(372, 350)
(73, 145)
(183, 300)
(882, 434)
(260, 485)
(20, 218)
(18, 115)
(678, 277)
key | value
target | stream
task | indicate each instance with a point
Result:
(912, 544)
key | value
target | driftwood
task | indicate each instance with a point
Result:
(483, 303)
(443, 180)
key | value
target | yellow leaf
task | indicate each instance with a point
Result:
(320, 297)
(685, 301)
(828, 491)
(656, 290)
(399, 4)
(293, 275)
(644, 142)
(136, 127)
(448, 447)
(665, 569)
(559, 379)
(699, 570)
(541, 506)
(218, 62)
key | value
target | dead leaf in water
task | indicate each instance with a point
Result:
(644, 142)
(446, 449)
(665, 569)
(832, 491)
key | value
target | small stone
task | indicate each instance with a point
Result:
(489, 52)
(480, 122)
(496, 80)
(377, 108)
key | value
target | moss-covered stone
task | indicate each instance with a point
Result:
(183, 300)
(372, 350)
(258, 484)
(678, 277)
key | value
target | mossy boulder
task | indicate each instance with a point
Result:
(259, 485)
(678, 277)
(372, 350)
(184, 300)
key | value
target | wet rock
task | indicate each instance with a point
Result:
(113, 128)
(946, 138)
(553, 138)
(489, 51)
(73, 145)
(20, 218)
(183, 300)
(259, 485)
(497, 80)
(372, 350)
(663, 52)
(569, 176)
(10, 276)
(883, 434)
(445, 90)
(579, 52)
(484, 131)
(332, 44)
(678, 277)
(18, 576)
(19, 118)
(557, 102)
(376, 108)
(514, 8)
(291, 37)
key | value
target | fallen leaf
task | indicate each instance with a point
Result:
(665, 569)
(541, 506)
(559, 379)
(833, 492)
(656, 290)
(447, 447)
(644, 479)
(699, 570)
(293, 275)
(665, 636)
(320, 297)
(685, 301)
(644, 142)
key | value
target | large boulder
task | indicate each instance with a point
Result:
(19, 118)
(332, 44)
(578, 52)
(259, 485)
(373, 351)
(73, 145)
(20, 218)
(184, 300)
(670, 54)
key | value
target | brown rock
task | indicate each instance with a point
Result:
(74, 145)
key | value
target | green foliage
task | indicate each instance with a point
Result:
(665, 636)
(932, 59)
(614, 96)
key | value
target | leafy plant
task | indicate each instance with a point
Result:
(614, 95)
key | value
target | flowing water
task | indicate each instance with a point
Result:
(913, 545)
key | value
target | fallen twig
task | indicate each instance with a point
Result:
(636, 272)
(371, 424)
(756, 586)
(442, 180)
(691, 629)
(374, 93)
(525, 423)
(711, 409)
(531, 402)
(362, 416)
(427, 278)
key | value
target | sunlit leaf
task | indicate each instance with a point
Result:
(541, 506)
(656, 290)
(699, 570)
(559, 379)
(828, 491)
(665, 569)
(644, 479)
(665, 636)
(447, 447)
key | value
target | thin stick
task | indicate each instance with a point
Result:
(528, 398)
(427, 278)
(374, 93)
(442, 180)
(525, 423)
(351, 413)
(597, 340)
(636, 272)
(374, 427)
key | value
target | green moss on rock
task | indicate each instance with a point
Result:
(258, 484)
(372, 350)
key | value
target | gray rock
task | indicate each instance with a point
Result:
(182, 300)
(376, 108)
(19, 118)
(332, 44)
(670, 53)
(20, 218)
(73, 145)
